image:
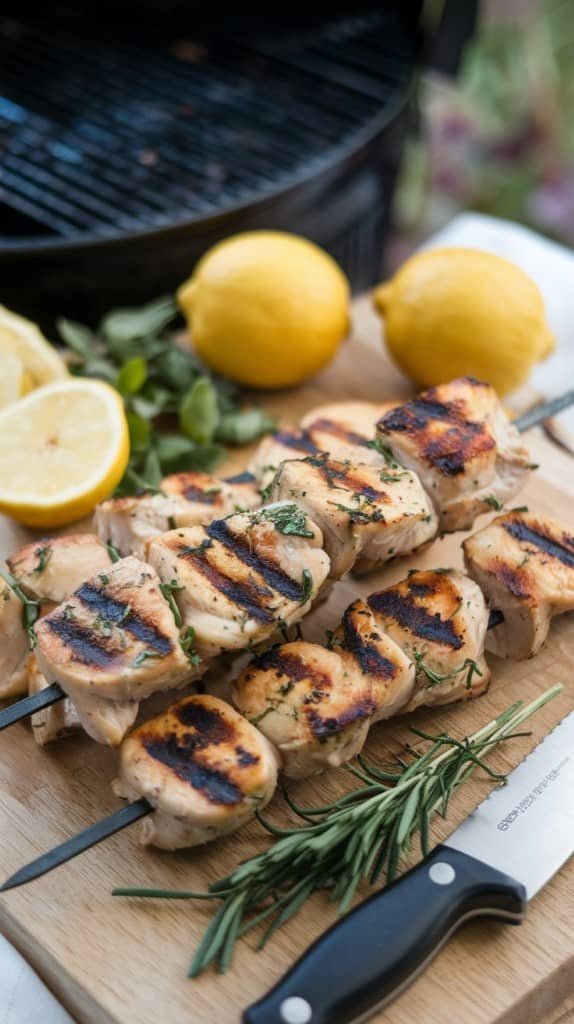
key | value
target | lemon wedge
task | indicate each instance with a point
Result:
(13, 379)
(63, 448)
(22, 339)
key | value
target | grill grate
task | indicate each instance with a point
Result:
(109, 137)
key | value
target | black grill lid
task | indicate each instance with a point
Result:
(105, 136)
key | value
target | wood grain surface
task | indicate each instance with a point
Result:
(125, 961)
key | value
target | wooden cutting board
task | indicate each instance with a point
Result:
(119, 960)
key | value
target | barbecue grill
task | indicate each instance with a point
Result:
(124, 155)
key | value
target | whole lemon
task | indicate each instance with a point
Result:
(450, 312)
(266, 308)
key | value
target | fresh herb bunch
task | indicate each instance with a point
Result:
(162, 383)
(361, 837)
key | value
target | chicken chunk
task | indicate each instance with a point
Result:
(346, 429)
(439, 618)
(113, 643)
(524, 565)
(239, 579)
(458, 439)
(56, 721)
(186, 499)
(305, 702)
(367, 514)
(204, 769)
(13, 645)
(369, 653)
(52, 568)
(275, 449)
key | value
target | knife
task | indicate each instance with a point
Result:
(497, 860)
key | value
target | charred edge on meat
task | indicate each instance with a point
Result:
(120, 613)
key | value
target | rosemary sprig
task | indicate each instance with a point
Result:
(436, 678)
(168, 590)
(359, 837)
(494, 503)
(30, 609)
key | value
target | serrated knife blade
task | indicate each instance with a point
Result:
(491, 865)
(525, 828)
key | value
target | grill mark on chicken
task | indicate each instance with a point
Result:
(247, 594)
(86, 646)
(370, 659)
(549, 545)
(324, 728)
(285, 663)
(327, 426)
(244, 758)
(121, 614)
(415, 619)
(516, 581)
(449, 451)
(300, 441)
(193, 493)
(348, 476)
(241, 478)
(178, 755)
(272, 574)
(211, 727)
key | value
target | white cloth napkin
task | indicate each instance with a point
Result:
(23, 997)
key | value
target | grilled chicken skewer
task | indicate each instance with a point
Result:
(418, 642)
(195, 772)
(450, 407)
(185, 499)
(118, 639)
(524, 565)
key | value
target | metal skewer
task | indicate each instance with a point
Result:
(108, 826)
(28, 705)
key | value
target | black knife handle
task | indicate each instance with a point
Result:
(379, 948)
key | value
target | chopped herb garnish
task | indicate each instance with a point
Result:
(494, 503)
(384, 450)
(391, 478)
(187, 644)
(171, 523)
(103, 576)
(30, 611)
(265, 492)
(199, 548)
(436, 678)
(520, 508)
(168, 590)
(287, 519)
(113, 552)
(306, 586)
(43, 555)
(145, 656)
(366, 512)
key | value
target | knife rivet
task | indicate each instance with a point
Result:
(295, 1010)
(442, 873)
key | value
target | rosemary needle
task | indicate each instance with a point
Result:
(357, 838)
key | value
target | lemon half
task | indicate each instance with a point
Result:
(63, 448)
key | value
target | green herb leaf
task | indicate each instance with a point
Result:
(151, 473)
(494, 503)
(168, 590)
(113, 552)
(385, 450)
(43, 555)
(140, 432)
(77, 336)
(132, 376)
(125, 325)
(287, 519)
(198, 411)
(306, 586)
(144, 656)
(187, 644)
(244, 426)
